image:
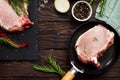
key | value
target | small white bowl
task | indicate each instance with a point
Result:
(82, 12)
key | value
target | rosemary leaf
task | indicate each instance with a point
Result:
(26, 1)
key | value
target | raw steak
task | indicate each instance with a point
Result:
(10, 21)
(93, 43)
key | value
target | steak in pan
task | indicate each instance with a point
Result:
(93, 43)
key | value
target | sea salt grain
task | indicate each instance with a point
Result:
(45, 1)
(58, 33)
(42, 5)
(39, 8)
(51, 49)
(22, 34)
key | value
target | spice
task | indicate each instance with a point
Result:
(81, 10)
(95, 39)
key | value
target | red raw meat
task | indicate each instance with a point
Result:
(93, 43)
(10, 21)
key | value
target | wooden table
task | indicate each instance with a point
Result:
(55, 30)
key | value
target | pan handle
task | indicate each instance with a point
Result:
(70, 74)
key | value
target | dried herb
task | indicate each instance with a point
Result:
(102, 7)
(17, 5)
(95, 39)
(54, 67)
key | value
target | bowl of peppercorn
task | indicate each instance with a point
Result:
(81, 11)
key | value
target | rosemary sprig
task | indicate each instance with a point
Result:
(55, 68)
(3, 40)
(18, 6)
(102, 7)
(12, 43)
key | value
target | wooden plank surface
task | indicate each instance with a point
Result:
(55, 30)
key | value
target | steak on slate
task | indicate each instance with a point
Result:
(93, 43)
(10, 21)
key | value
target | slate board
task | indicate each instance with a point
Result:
(28, 35)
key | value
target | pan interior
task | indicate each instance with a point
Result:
(108, 58)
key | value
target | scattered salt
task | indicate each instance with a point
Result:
(39, 8)
(51, 49)
(22, 34)
(58, 33)
(6, 56)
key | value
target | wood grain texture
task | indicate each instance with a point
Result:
(54, 32)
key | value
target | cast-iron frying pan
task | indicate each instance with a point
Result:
(107, 60)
